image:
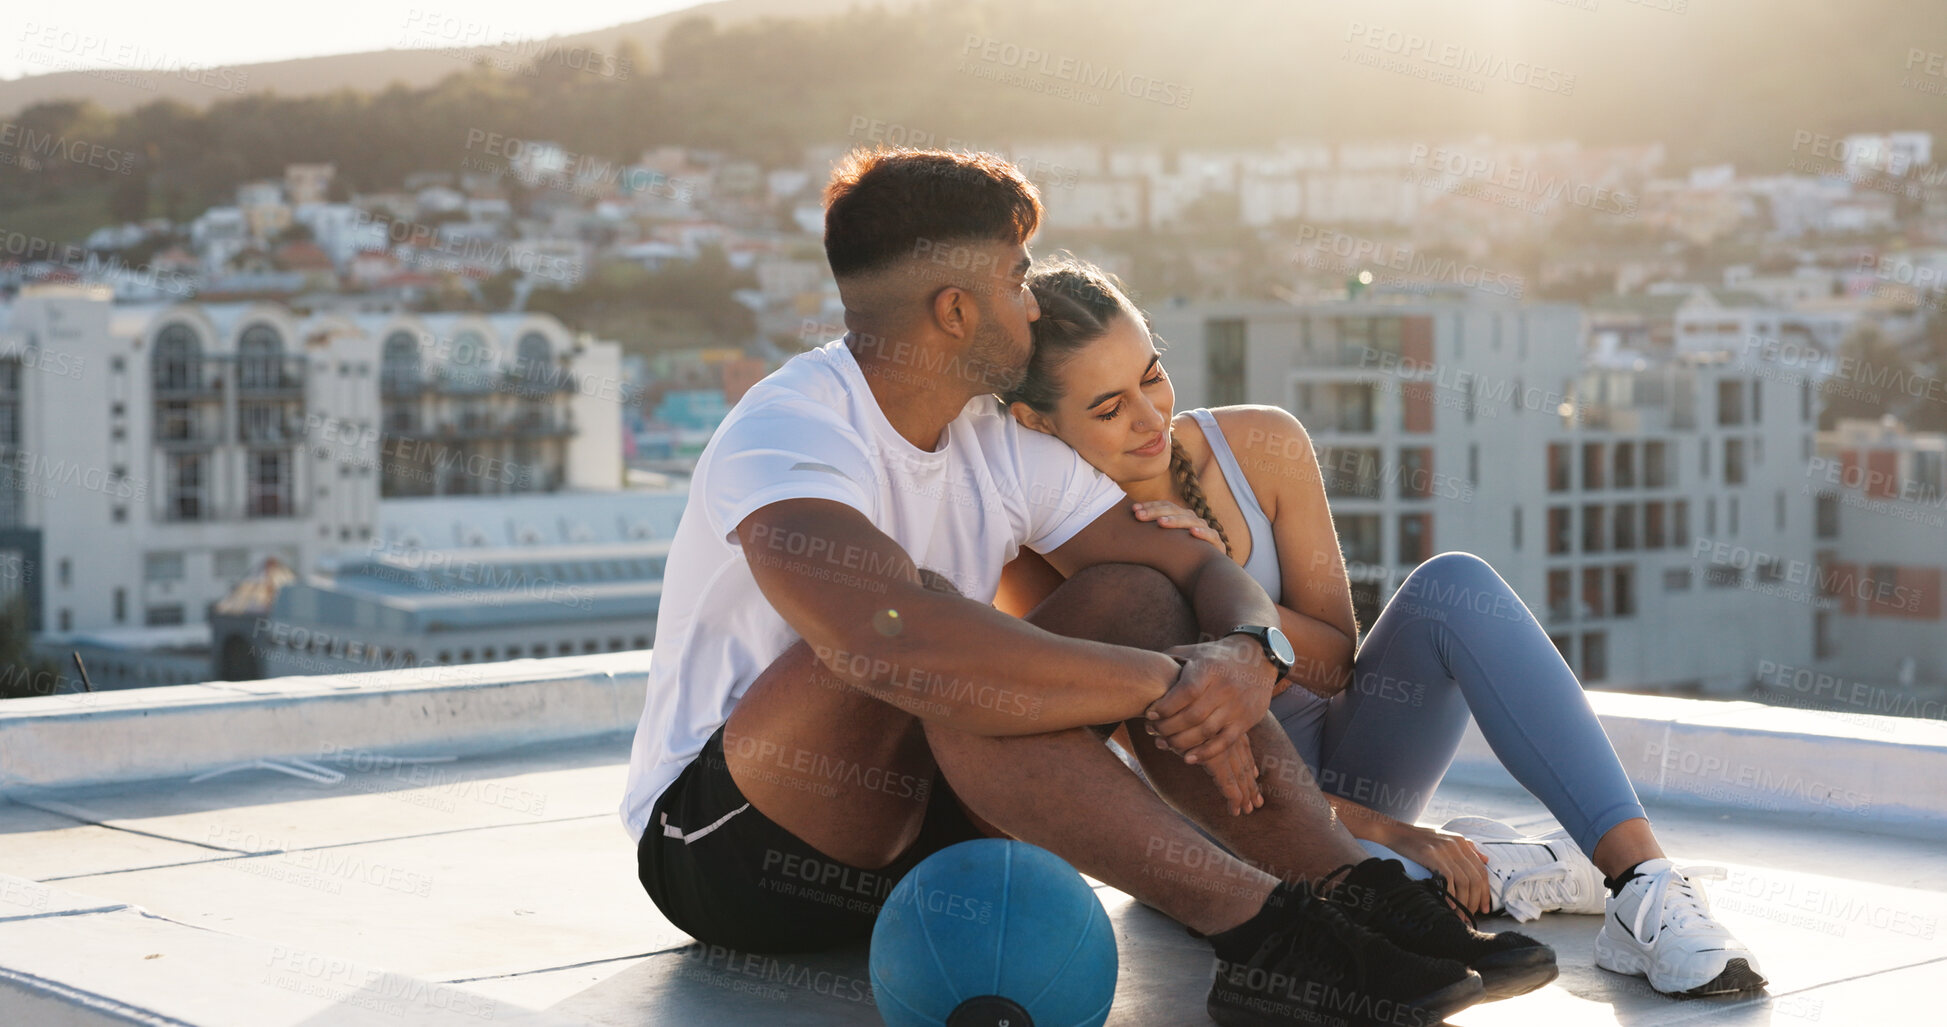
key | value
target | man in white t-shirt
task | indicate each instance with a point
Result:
(832, 697)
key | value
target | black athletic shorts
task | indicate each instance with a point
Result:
(728, 875)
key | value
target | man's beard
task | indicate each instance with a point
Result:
(993, 361)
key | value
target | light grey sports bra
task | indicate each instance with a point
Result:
(1263, 564)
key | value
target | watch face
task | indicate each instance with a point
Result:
(1282, 646)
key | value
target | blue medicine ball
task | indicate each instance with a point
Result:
(993, 933)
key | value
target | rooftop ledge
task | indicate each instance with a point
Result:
(1875, 773)
(497, 885)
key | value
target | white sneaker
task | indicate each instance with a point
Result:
(1660, 927)
(1529, 876)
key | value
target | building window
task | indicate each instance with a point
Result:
(1653, 525)
(1595, 656)
(1473, 462)
(1822, 645)
(1710, 516)
(1592, 465)
(1778, 509)
(1730, 522)
(1733, 461)
(231, 564)
(260, 358)
(1676, 579)
(178, 359)
(188, 498)
(1353, 406)
(1562, 644)
(65, 571)
(1624, 528)
(1359, 538)
(121, 605)
(1703, 457)
(1415, 537)
(1350, 473)
(162, 566)
(1622, 585)
(1593, 596)
(1805, 400)
(118, 515)
(1223, 342)
(1593, 540)
(270, 484)
(1560, 467)
(1415, 472)
(1757, 401)
(1730, 402)
(67, 620)
(1769, 570)
(1828, 515)
(1516, 518)
(1927, 477)
(1625, 477)
(1656, 461)
(163, 616)
(1561, 597)
(1680, 524)
(1723, 576)
(1559, 530)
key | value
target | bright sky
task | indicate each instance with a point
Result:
(39, 37)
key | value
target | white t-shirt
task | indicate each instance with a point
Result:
(812, 430)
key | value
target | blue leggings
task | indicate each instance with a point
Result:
(1456, 640)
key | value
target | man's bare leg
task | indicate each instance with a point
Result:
(1295, 834)
(1067, 793)
(1291, 797)
(792, 742)
(798, 717)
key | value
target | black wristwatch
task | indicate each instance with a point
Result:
(1277, 648)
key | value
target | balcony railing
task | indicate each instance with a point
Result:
(191, 379)
(403, 382)
(191, 430)
(281, 431)
(271, 375)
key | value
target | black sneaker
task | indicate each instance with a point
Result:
(1422, 917)
(1318, 967)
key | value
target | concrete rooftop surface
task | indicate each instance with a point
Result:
(443, 882)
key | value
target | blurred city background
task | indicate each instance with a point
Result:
(322, 363)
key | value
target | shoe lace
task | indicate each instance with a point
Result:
(1414, 909)
(1317, 934)
(1676, 902)
(1531, 891)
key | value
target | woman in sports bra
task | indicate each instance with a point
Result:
(1379, 724)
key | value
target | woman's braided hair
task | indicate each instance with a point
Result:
(1078, 303)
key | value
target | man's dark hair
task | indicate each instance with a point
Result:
(881, 203)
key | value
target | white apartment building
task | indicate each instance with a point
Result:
(1627, 501)
(157, 453)
(1881, 494)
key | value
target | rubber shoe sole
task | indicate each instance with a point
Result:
(1736, 977)
(1273, 1012)
(1516, 971)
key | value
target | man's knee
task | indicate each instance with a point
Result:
(1143, 606)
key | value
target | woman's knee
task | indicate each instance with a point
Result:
(1455, 563)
